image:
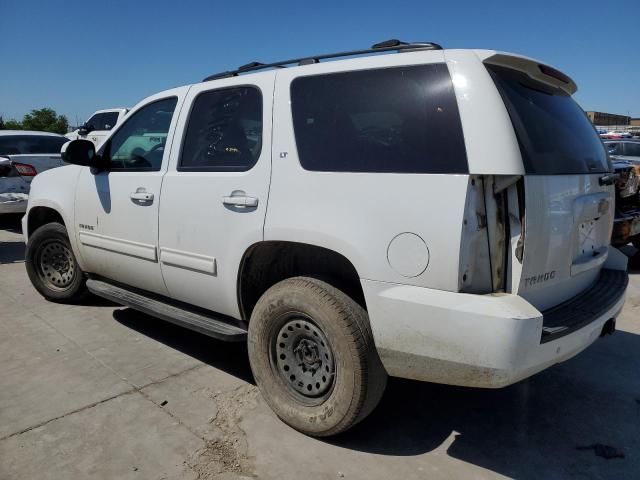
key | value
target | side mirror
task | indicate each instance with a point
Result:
(85, 129)
(83, 153)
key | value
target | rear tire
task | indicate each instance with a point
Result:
(52, 266)
(313, 356)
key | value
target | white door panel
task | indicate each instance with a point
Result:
(117, 211)
(208, 219)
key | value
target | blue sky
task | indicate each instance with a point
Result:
(77, 57)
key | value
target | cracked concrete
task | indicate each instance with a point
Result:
(100, 391)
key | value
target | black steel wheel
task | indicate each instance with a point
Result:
(313, 356)
(52, 266)
(303, 358)
(55, 264)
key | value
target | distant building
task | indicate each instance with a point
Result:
(601, 118)
(635, 122)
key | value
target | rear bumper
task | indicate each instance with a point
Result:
(472, 340)
(13, 202)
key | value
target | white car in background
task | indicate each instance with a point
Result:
(98, 126)
(24, 154)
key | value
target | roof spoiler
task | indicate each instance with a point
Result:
(534, 69)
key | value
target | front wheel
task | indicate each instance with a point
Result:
(313, 356)
(52, 267)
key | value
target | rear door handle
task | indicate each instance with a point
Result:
(240, 201)
(142, 196)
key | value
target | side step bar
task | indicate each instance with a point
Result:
(217, 327)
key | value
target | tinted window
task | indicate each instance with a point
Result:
(401, 119)
(632, 149)
(139, 143)
(614, 148)
(100, 121)
(224, 132)
(554, 133)
(95, 121)
(31, 144)
(108, 120)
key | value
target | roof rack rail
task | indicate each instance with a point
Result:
(386, 46)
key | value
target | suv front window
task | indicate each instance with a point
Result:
(139, 143)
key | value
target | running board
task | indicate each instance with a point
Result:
(208, 324)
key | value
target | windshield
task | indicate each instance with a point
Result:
(31, 144)
(554, 134)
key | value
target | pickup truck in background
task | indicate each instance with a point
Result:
(98, 126)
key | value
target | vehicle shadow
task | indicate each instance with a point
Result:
(11, 222)
(229, 357)
(11, 252)
(534, 429)
(549, 426)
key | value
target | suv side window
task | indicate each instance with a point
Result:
(224, 131)
(632, 149)
(139, 143)
(95, 121)
(109, 120)
(388, 120)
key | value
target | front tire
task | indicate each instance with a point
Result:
(52, 266)
(313, 356)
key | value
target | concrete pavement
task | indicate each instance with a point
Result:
(101, 391)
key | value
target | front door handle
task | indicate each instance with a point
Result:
(141, 195)
(240, 201)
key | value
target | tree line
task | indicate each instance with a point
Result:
(41, 120)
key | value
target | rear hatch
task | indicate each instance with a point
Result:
(569, 206)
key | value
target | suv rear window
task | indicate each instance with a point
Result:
(31, 144)
(554, 134)
(393, 120)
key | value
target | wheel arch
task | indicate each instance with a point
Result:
(41, 215)
(268, 262)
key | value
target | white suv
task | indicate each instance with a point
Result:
(441, 215)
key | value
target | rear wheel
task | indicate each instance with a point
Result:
(52, 267)
(313, 356)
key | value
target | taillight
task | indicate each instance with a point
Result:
(25, 170)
